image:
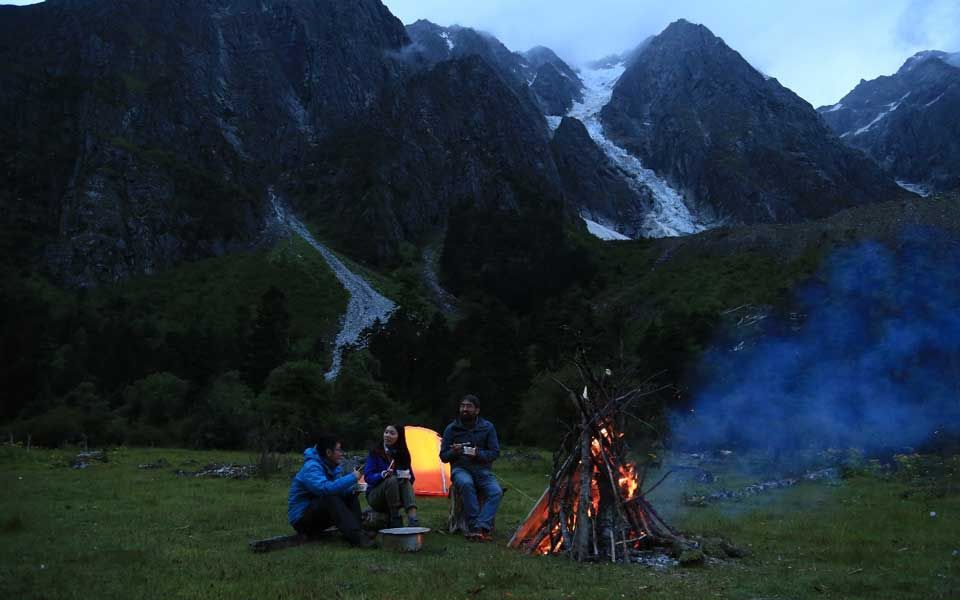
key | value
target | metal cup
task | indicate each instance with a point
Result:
(470, 450)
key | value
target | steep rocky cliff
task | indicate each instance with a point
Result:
(739, 146)
(555, 85)
(140, 133)
(907, 122)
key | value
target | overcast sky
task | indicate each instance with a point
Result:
(818, 48)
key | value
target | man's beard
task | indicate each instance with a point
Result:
(468, 419)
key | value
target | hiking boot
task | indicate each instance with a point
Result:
(413, 522)
(366, 544)
(474, 535)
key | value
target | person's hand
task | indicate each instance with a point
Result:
(358, 472)
(457, 449)
(386, 473)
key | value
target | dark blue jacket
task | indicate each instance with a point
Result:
(316, 478)
(483, 435)
(378, 461)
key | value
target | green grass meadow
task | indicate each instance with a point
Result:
(114, 530)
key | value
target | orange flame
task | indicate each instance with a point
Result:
(628, 480)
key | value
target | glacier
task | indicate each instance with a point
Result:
(669, 215)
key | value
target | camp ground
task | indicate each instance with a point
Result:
(674, 285)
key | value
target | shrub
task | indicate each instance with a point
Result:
(157, 399)
(296, 399)
(226, 415)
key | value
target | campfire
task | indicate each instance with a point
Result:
(594, 507)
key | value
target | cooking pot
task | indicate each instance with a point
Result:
(403, 539)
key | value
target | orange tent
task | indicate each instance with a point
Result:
(433, 476)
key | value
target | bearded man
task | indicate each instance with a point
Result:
(470, 445)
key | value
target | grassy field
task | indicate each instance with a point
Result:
(114, 530)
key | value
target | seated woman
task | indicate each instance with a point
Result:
(390, 479)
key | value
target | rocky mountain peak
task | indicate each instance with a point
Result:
(441, 43)
(539, 72)
(684, 45)
(689, 32)
(540, 55)
(926, 56)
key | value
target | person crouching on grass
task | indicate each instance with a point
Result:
(322, 495)
(390, 479)
(470, 445)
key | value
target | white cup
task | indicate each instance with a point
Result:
(361, 487)
(403, 473)
(470, 450)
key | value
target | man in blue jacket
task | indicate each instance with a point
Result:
(322, 495)
(470, 445)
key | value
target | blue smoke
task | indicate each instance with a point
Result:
(875, 363)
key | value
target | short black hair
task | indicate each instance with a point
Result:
(324, 442)
(471, 399)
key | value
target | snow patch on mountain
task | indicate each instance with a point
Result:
(365, 307)
(602, 232)
(835, 107)
(934, 101)
(917, 188)
(892, 106)
(669, 216)
(446, 38)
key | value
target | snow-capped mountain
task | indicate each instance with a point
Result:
(735, 144)
(907, 122)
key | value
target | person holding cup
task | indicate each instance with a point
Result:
(322, 495)
(470, 445)
(390, 479)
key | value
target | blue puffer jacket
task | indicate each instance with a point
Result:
(316, 478)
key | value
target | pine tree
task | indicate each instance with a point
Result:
(269, 342)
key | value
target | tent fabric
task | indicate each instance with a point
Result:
(433, 476)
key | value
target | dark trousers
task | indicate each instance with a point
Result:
(391, 495)
(340, 511)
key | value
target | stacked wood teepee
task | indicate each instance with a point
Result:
(594, 507)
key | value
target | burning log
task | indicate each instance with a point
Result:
(593, 508)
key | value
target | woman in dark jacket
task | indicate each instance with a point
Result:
(389, 477)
